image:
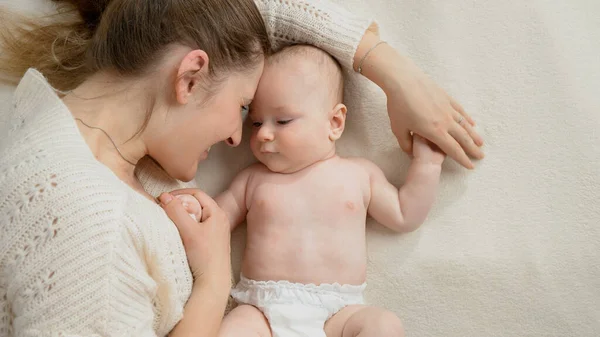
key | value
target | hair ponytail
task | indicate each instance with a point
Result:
(56, 45)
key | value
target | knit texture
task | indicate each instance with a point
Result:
(321, 23)
(81, 253)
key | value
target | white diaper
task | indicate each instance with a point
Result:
(295, 309)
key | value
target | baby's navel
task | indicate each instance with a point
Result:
(350, 205)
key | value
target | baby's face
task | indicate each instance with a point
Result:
(290, 118)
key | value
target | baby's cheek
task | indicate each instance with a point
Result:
(191, 205)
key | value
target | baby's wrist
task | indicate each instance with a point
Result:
(428, 163)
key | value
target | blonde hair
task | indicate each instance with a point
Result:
(128, 37)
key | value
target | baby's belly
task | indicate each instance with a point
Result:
(307, 254)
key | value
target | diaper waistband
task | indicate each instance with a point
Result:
(350, 289)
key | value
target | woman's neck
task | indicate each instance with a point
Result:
(110, 112)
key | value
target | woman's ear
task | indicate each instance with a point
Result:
(337, 121)
(192, 67)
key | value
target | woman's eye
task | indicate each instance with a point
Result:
(257, 124)
(244, 110)
(284, 122)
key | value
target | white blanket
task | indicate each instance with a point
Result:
(512, 248)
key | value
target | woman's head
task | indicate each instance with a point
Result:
(193, 115)
(208, 53)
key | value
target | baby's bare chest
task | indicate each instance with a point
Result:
(321, 197)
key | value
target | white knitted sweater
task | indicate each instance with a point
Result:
(81, 253)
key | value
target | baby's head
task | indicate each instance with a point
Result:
(297, 113)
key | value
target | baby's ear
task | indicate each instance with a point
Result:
(337, 121)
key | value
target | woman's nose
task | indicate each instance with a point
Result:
(235, 139)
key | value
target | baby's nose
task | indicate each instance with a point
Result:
(265, 135)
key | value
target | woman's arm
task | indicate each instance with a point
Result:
(322, 24)
(415, 103)
(205, 308)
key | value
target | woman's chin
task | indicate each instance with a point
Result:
(187, 178)
(187, 175)
(190, 174)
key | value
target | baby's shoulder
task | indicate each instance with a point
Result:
(251, 174)
(254, 170)
(360, 165)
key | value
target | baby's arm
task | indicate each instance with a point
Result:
(233, 200)
(404, 210)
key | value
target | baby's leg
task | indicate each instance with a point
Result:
(245, 321)
(364, 321)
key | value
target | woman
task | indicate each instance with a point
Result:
(84, 250)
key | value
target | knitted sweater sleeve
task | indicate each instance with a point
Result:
(317, 22)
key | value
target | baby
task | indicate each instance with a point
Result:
(306, 207)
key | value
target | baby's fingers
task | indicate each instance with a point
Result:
(180, 217)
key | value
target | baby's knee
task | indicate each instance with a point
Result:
(245, 320)
(381, 322)
(389, 324)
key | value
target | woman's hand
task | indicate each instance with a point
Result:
(207, 242)
(417, 104)
(426, 152)
(208, 253)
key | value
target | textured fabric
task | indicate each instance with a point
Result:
(80, 252)
(294, 309)
(324, 24)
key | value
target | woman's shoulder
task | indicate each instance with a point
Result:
(43, 151)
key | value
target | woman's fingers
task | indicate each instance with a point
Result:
(469, 125)
(456, 106)
(451, 147)
(475, 137)
(405, 140)
(189, 191)
(462, 137)
(177, 213)
(206, 244)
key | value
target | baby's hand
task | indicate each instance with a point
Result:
(426, 152)
(191, 205)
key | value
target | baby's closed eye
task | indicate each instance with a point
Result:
(284, 122)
